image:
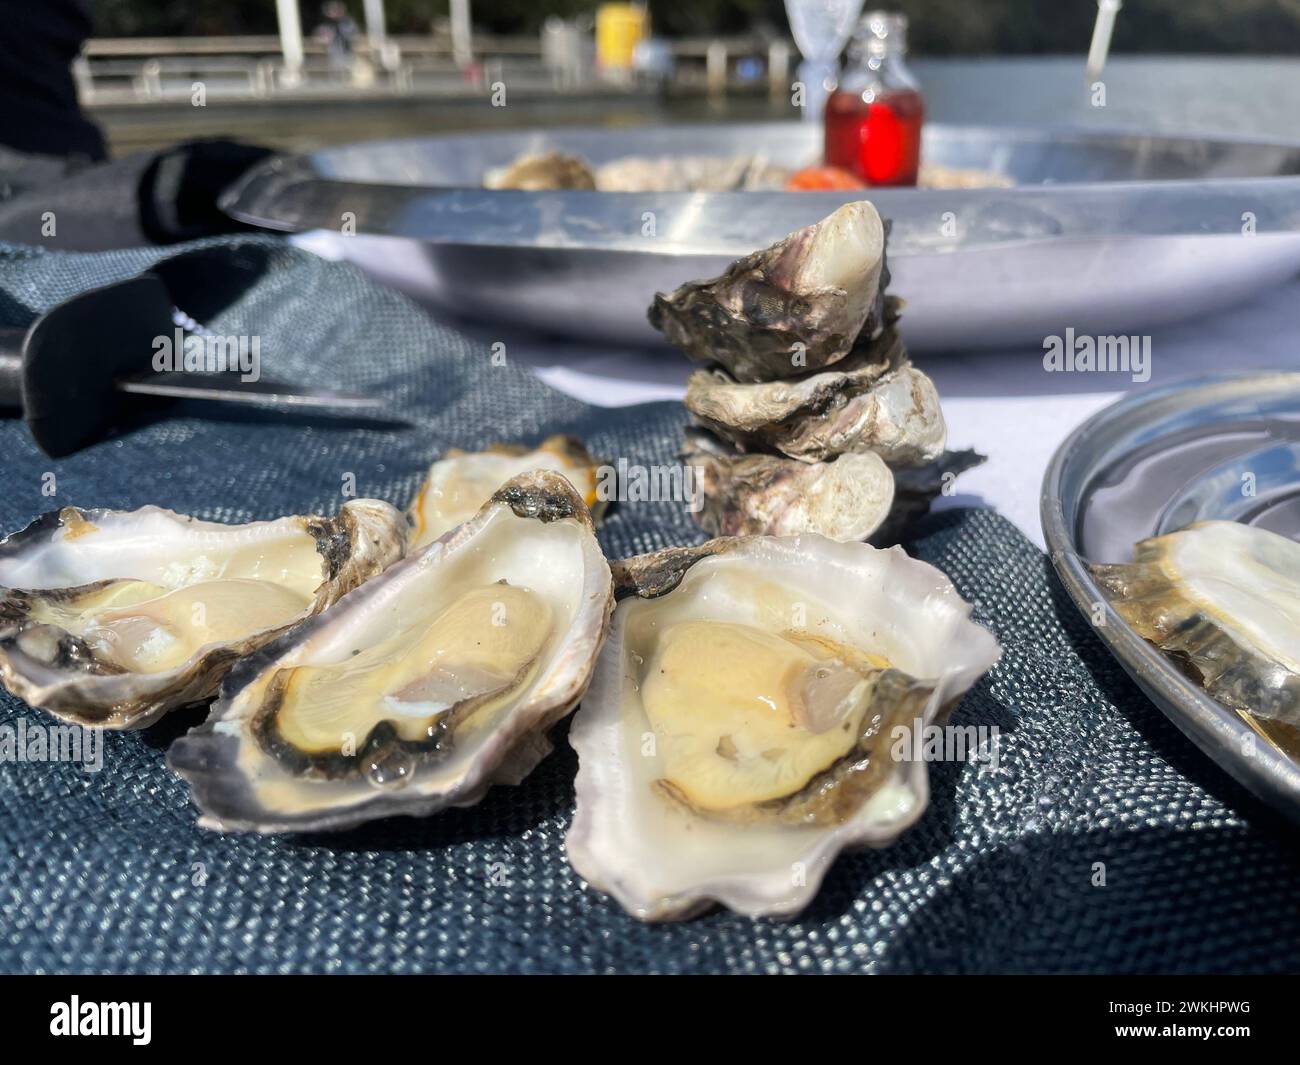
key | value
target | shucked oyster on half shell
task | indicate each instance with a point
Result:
(800, 304)
(460, 482)
(874, 400)
(1223, 600)
(423, 688)
(737, 735)
(111, 618)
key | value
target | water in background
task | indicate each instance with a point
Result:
(1212, 96)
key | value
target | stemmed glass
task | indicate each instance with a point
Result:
(821, 29)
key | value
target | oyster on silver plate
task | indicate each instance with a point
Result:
(690, 173)
(740, 729)
(542, 171)
(553, 170)
(799, 305)
(695, 173)
(422, 689)
(460, 482)
(111, 618)
(1223, 600)
(874, 400)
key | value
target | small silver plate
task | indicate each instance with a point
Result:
(1226, 447)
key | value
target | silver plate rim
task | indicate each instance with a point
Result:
(292, 193)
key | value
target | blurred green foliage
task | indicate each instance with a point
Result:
(939, 27)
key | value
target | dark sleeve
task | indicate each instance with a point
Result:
(38, 99)
(145, 198)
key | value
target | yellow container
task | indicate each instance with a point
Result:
(619, 28)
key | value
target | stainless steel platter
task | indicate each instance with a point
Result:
(1151, 464)
(1108, 233)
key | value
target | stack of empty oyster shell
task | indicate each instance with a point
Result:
(809, 415)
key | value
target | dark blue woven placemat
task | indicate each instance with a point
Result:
(106, 872)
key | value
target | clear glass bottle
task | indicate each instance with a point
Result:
(874, 116)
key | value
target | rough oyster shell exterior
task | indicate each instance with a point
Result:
(800, 304)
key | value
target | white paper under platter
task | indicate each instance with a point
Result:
(1153, 222)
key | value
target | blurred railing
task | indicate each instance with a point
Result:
(152, 70)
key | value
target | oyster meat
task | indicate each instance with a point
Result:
(111, 618)
(1223, 600)
(799, 305)
(739, 731)
(460, 482)
(874, 400)
(428, 685)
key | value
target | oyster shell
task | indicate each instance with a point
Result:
(845, 499)
(111, 618)
(537, 171)
(852, 497)
(1223, 600)
(917, 487)
(875, 400)
(800, 304)
(542, 171)
(460, 482)
(421, 690)
(737, 733)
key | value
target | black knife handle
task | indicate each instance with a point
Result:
(74, 353)
(11, 368)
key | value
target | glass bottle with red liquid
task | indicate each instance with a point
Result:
(875, 114)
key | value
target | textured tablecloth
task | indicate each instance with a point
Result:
(1102, 842)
